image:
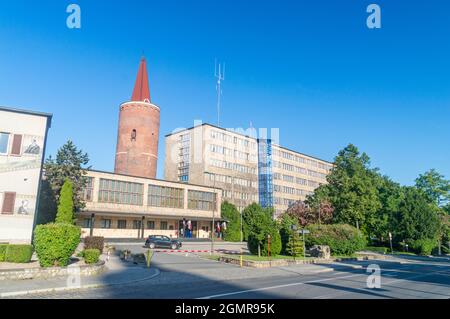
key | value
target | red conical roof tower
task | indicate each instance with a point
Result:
(138, 133)
(141, 90)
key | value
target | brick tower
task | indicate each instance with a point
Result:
(137, 138)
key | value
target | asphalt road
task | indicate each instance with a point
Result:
(187, 276)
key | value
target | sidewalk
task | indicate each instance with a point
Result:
(116, 273)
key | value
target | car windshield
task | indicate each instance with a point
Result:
(165, 238)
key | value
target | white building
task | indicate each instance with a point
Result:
(23, 137)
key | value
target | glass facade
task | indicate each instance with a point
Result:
(265, 178)
(161, 196)
(201, 200)
(119, 192)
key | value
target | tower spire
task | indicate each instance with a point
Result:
(141, 90)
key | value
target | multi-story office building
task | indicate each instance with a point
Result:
(208, 155)
(23, 136)
(246, 168)
(122, 206)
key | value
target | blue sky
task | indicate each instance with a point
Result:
(311, 68)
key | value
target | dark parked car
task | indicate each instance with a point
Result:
(157, 241)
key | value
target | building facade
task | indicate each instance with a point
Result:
(138, 132)
(246, 168)
(212, 156)
(122, 206)
(23, 136)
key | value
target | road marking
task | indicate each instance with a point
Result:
(277, 287)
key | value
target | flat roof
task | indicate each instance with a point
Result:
(224, 129)
(152, 179)
(29, 112)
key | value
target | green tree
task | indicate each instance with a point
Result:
(69, 164)
(47, 204)
(390, 195)
(294, 245)
(416, 218)
(230, 213)
(286, 222)
(435, 186)
(258, 224)
(65, 206)
(351, 189)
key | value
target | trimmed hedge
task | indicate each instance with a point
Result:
(343, 239)
(91, 256)
(94, 242)
(55, 243)
(18, 253)
(3, 252)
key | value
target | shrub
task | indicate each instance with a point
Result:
(294, 246)
(18, 253)
(91, 256)
(94, 243)
(423, 246)
(275, 244)
(3, 252)
(55, 243)
(286, 222)
(65, 205)
(343, 239)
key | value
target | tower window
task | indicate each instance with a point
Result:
(133, 135)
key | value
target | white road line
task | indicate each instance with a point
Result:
(277, 287)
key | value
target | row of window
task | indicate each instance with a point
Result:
(184, 157)
(232, 166)
(232, 153)
(297, 169)
(232, 139)
(123, 224)
(119, 192)
(230, 180)
(301, 159)
(201, 200)
(290, 190)
(291, 179)
(161, 196)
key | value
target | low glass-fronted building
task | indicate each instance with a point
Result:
(122, 206)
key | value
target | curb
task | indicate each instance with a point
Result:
(59, 289)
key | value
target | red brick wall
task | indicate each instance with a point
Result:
(137, 157)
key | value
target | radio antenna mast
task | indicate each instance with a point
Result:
(219, 74)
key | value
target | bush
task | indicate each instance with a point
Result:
(294, 247)
(55, 243)
(343, 239)
(275, 245)
(423, 246)
(65, 205)
(286, 223)
(18, 253)
(94, 243)
(3, 252)
(91, 256)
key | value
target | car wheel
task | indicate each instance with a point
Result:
(174, 246)
(152, 245)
